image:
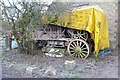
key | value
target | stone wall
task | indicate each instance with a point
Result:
(119, 25)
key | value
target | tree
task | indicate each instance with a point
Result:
(23, 17)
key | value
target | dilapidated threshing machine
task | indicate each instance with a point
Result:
(80, 32)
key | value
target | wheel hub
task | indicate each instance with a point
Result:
(78, 50)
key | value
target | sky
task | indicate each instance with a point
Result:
(50, 1)
(47, 1)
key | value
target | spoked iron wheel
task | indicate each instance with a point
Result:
(78, 48)
(81, 35)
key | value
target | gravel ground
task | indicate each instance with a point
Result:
(15, 64)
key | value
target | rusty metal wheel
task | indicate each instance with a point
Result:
(81, 35)
(78, 48)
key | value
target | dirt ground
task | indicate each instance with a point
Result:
(15, 64)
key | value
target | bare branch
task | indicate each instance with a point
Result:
(16, 7)
(9, 3)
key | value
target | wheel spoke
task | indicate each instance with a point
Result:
(79, 56)
(82, 37)
(72, 48)
(80, 32)
(80, 44)
(79, 37)
(74, 43)
(72, 51)
(83, 34)
(73, 54)
(83, 54)
(77, 43)
(84, 48)
(85, 51)
(77, 32)
(83, 45)
(76, 55)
